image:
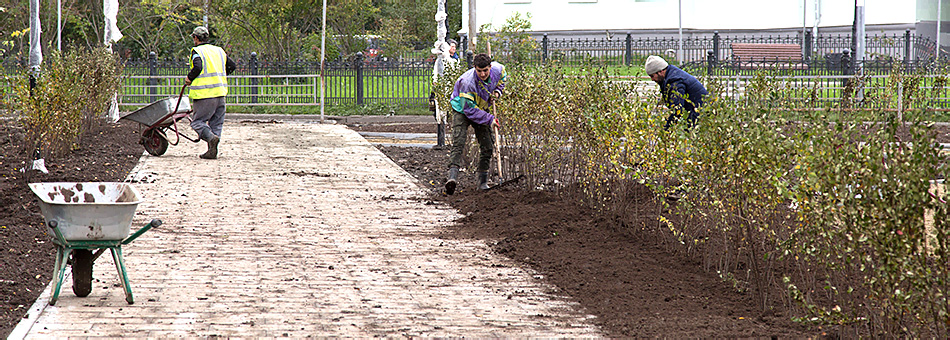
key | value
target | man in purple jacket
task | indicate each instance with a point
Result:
(473, 95)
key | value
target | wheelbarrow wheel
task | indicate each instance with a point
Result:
(154, 143)
(82, 272)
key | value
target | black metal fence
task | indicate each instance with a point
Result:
(406, 81)
(824, 51)
(262, 82)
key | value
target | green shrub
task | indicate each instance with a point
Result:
(823, 214)
(72, 91)
(815, 206)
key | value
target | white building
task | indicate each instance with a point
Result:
(595, 18)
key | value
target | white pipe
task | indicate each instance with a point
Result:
(59, 25)
(939, 19)
(323, 48)
(814, 31)
(679, 52)
(861, 40)
(471, 24)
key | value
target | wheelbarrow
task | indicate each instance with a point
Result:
(161, 118)
(86, 217)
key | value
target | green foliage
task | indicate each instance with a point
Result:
(73, 89)
(282, 29)
(398, 38)
(443, 85)
(163, 27)
(510, 43)
(277, 29)
(862, 193)
(825, 213)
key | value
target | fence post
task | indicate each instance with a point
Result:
(807, 45)
(846, 62)
(900, 101)
(907, 50)
(629, 52)
(710, 62)
(358, 64)
(716, 44)
(253, 68)
(152, 72)
(544, 48)
(468, 57)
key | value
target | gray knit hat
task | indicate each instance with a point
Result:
(655, 64)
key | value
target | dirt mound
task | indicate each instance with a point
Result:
(615, 270)
(106, 153)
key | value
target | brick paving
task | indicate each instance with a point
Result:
(297, 230)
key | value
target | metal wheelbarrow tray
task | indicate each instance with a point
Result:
(84, 217)
(159, 117)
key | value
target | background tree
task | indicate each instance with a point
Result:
(280, 29)
(163, 27)
(276, 29)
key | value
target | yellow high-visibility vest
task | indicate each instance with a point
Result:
(212, 81)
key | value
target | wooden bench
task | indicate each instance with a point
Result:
(768, 56)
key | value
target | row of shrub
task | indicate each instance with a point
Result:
(61, 99)
(832, 219)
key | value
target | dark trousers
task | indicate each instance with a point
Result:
(208, 117)
(483, 134)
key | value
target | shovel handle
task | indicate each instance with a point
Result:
(497, 143)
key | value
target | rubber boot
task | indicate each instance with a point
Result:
(452, 182)
(212, 152)
(483, 181)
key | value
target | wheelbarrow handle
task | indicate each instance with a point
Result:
(59, 235)
(174, 119)
(180, 94)
(153, 224)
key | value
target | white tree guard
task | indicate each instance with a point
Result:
(441, 51)
(110, 9)
(36, 52)
(111, 34)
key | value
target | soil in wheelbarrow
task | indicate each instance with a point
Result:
(107, 152)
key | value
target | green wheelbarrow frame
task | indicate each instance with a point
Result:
(64, 248)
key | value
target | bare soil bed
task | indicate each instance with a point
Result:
(627, 280)
(109, 152)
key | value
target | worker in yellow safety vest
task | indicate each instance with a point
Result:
(208, 85)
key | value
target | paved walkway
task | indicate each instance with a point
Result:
(300, 229)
